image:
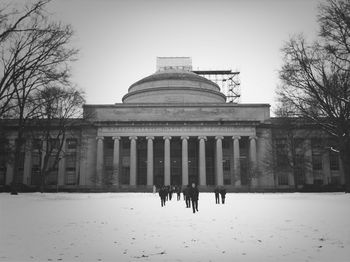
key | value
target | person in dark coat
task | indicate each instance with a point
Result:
(162, 194)
(217, 195)
(194, 195)
(223, 195)
(178, 192)
(170, 192)
(187, 196)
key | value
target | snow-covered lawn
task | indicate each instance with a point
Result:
(134, 227)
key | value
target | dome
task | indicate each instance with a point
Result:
(174, 86)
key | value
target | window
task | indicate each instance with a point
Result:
(35, 176)
(316, 144)
(226, 165)
(334, 160)
(283, 179)
(55, 143)
(71, 143)
(316, 162)
(317, 150)
(109, 143)
(226, 143)
(70, 162)
(125, 144)
(299, 169)
(281, 153)
(37, 144)
(298, 143)
(70, 169)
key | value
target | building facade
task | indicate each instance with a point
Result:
(174, 127)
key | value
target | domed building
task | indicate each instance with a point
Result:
(176, 127)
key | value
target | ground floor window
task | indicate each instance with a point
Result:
(70, 174)
(283, 179)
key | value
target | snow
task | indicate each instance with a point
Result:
(134, 227)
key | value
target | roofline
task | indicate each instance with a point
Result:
(146, 105)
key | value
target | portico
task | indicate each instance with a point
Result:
(171, 139)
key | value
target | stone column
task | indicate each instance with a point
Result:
(202, 171)
(150, 160)
(133, 160)
(184, 160)
(27, 163)
(116, 157)
(99, 159)
(61, 172)
(219, 167)
(253, 160)
(167, 160)
(236, 161)
(9, 165)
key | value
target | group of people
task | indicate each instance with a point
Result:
(190, 195)
(220, 191)
(166, 193)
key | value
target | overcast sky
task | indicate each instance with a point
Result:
(120, 40)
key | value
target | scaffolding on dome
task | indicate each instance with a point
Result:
(227, 80)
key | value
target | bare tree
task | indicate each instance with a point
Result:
(288, 148)
(58, 112)
(13, 22)
(33, 58)
(316, 77)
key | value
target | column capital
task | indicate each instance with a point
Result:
(253, 137)
(202, 137)
(166, 137)
(219, 137)
(133, 137)
(116, 137)
(184, 137)
(99, 138)
(150, 137)
(236, 137)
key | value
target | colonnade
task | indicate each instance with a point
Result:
(167, 167)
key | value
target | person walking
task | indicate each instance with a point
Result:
(217, 195)
(170, 192)
(223, 195)
(194, 195)
(162, 194)
(178, 192)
